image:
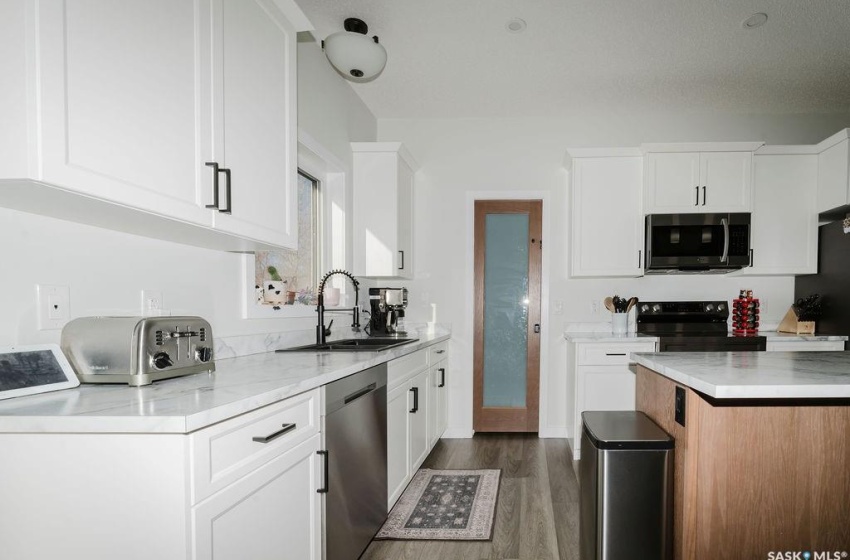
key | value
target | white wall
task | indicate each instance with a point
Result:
(460, 156)
(106, 270)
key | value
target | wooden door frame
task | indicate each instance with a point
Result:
(508, 419)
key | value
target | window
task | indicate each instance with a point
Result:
(298, 270)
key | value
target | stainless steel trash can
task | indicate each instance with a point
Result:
(626, 488)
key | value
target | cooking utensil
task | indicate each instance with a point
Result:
(609, 304)
(632, 302)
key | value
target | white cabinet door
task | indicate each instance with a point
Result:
(437, 405)
(397, 442)
(117, 103)
(383, 210)
(694, 182)
(275, 512)
(253, 132)
(834, 175)
(727, 181)
(607, 224)
(419, 442)
(784, 230)
(672, 183)
(804, 345)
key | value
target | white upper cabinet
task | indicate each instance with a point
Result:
(127, 102)
(834, 172)
(254, 134)
(383, 210)
(117, 103)
(607, 231)
(698, 181)
(784, 229)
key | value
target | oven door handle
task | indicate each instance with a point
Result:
(725, 223)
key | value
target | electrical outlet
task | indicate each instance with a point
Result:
(594, 307)
(559, 307)
(53, 306)
(151, 303)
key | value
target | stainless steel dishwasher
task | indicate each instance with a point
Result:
(355, 425)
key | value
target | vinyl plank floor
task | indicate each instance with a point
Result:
(537, 512)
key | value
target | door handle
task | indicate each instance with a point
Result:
(442, 371)
(725, 256)
(703, 196)
(357, 394)
(214, 204)
(639, 255)
(696, 202)
(324, 489)
(401, 259)
(415, 408)
(537, 328)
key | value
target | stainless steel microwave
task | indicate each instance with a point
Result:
(697, 243)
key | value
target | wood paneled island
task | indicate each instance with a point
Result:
(762, 457)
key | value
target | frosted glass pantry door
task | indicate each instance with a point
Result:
(507, 315)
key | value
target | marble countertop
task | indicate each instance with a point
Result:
(756, 375)
(593, 336)
(189, 403)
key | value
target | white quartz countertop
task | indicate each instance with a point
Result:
(774, 335)
(189, 403)
(756, 375)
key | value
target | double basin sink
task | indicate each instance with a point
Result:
(353, 345)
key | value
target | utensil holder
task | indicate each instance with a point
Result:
(619, 323)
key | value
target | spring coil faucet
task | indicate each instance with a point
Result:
(321, 334)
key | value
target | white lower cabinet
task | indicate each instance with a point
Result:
(804, 345)
(274, 512)
(416, 413)
(216, 493)
(602, 377)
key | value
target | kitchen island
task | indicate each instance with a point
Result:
(762, 459)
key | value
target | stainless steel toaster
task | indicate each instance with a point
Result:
(137, 350)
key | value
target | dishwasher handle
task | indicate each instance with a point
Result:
(324, 489)
(357, 394)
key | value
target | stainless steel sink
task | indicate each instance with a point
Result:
(353, 345)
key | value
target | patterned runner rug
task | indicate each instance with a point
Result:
(446, 505)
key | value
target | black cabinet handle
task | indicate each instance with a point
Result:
(401, 257)
(612, 354)
(639, 256)
(442, 371)
(703, 196)
(696, 202)
(265, 439)
(415, 408)
(214, 165)
(324, 489)
(227, 195)
(440, 352)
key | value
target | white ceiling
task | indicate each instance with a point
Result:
(455, 58)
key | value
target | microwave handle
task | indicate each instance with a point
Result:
(725, 223)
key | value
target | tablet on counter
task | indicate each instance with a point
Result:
(33, 369)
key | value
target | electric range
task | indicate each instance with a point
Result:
(693, 326)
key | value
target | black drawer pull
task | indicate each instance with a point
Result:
(277, 434)
(612, 354)
(357, 394)
(324, 489)
(442, 371)
(439, 351)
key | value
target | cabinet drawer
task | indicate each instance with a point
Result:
(610, 354)
(225, 452)
(400, 369)
(438, 352)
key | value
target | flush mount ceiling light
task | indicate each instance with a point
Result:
(755, 20)
(357, 57)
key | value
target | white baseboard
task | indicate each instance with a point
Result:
(457, 433)
(553, 432)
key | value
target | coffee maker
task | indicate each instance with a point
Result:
(387, 316)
